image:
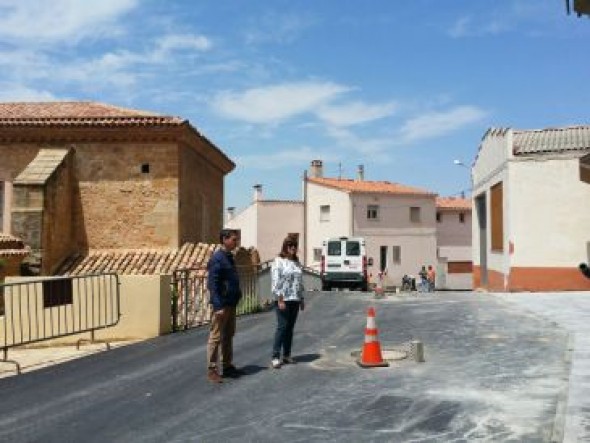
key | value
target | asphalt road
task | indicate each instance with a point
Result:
(493, 372)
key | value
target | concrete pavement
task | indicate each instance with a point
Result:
(571, 310)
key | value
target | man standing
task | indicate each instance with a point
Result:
(224, 294)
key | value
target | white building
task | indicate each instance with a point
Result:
(532, 209)
(398, 222)
(453, 233)
(265, 223)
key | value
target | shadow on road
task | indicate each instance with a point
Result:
(307, 358)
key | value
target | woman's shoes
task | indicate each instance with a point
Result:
(276, 363)
(289, 361)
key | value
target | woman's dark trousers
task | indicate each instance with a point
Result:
(284, 334)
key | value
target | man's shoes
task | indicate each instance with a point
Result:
(232, 371)
(289, 361)
(276, 363)
(213, 376)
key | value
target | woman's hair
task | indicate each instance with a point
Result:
(289, 241)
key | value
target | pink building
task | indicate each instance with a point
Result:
(265, 223)
(453, 233)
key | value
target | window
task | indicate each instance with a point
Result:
(353, 248)
(372, 212)
(461, 217)
(324, 213)
(438, 217)
(334, 248)
(415, 214)
(396, 255)
(145, 168)
(317, 254)
(497, 216)
(57, 293)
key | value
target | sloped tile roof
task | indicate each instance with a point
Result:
(11, 245)
(370, 187)
(42, 166)
(139, 261)
(78, 113)
(453, 203)
(551, 140)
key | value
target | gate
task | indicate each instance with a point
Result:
(190, 296)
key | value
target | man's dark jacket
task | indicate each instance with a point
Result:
(223, 282)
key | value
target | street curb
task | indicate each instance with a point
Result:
(560, 419)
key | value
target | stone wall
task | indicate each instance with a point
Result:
(58, 220)
(118, 205)
(201, 194)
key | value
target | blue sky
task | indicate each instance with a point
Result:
(403, 87)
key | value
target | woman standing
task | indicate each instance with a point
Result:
(287, 289)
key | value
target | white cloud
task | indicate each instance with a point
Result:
(280, 159)
(178, 42)
(10, 92)
(272, 104)
(435, 124)
(466, 27)
(355, 113)
(60, 20)
(278, 28)
(375, 147)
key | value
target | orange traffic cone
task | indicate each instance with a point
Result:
(371, 356)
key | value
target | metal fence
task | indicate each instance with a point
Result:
(47, 308)
(190, 296)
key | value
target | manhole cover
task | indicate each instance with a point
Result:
(388, 354)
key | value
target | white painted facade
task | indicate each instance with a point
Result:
(546, 209)
(348, 217)
(489, 169)
(338, 224)
(549, 212)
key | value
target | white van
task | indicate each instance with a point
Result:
(344, 263)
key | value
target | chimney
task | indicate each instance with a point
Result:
(230, 213)
(360, 175)
(317, 169)
(257, 192)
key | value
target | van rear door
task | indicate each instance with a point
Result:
(334, 256)
(353, 260)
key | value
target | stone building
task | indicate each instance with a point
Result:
(81, 176)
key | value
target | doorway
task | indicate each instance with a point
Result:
(481, 209)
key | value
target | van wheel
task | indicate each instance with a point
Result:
(364, 287)
(326, 287)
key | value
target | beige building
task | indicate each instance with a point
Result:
(78, 176)
(398, 222)
(531, 227)
(453, 234)
(265, 223)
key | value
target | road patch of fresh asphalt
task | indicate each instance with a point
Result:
(493, 372)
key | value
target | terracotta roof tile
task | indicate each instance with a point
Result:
(371, 187)
(78, 114)
(11, 245)
(453, 203)
(139, 261)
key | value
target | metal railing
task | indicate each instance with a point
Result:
(47, 308)
(190, 296)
